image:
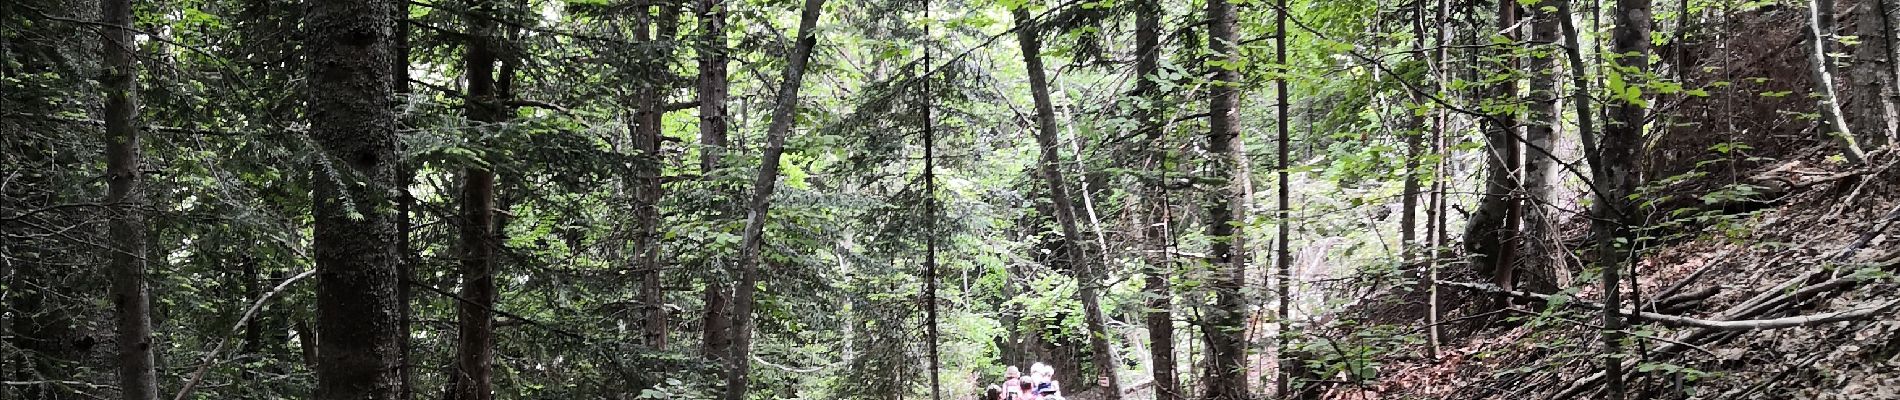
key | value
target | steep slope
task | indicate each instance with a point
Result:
(1758, 237)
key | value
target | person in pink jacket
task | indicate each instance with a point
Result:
(1012, 383)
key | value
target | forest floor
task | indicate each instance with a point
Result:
(1825, 243)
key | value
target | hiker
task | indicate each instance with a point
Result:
(1043, 375)
(1012, 383)
(993, 393)
(1050, 391)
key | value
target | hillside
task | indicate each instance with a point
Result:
(1765, 274)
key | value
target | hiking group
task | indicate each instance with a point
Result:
(1039, 385)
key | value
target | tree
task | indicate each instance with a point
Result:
(1833, 122)
(1877, 112)
(352, 123)
(1226, 210)
(1540, 233)
(716, 325)
(649, 106)
(1072, 254)
(739, 362)
(138, 377)
(1283, 256)
(405, 210)
(475, 344)
(1156, 230)
(1612, 161)
(1490, 234)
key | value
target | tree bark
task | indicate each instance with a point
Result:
(716, 325)
(1156, 232)
(1074, 254)
(475, 345)
(131, 300)
(649, 108)
(253, 327)
(1226, 208)
(405, 209)
(1490, 233)
(1427, 125)
(1833, 122)
(1539, 235)
(1283, 256)
(1889, 12)
(351, 120)
(1875, 112)
(480, 241)
(738, 364)
(1612, 165)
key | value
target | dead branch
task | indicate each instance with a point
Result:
(1677, 320)
(211, 357)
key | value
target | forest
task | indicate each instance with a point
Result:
(935, 199)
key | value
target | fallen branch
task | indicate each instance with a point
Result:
(1777, 323)
(1630, 333)
(755, 358)
(1868, 236)
(1712, 263)
(1685, 301)
(88, 385)
(210, 358)
(1747, 309)
(1677, 320)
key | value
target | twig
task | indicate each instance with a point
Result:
(529, 321)
(29, 213)
(210, 358)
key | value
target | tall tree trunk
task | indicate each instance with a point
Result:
(1160, 304)
(1436, 231)
(1074, 254)
(1157, 232)
(738, 363)
(1283, 256)
(351, 120)
(405, 209)
(1226, 208)
(131, 301)
(1427, 125)
(1612, 166)
(716, 326)
(1618, 152)
(650, 107)
(1875, 114)
(1540, 234)
(475, 345)
(1489, 236)
(1833, 122)
(474, 378)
